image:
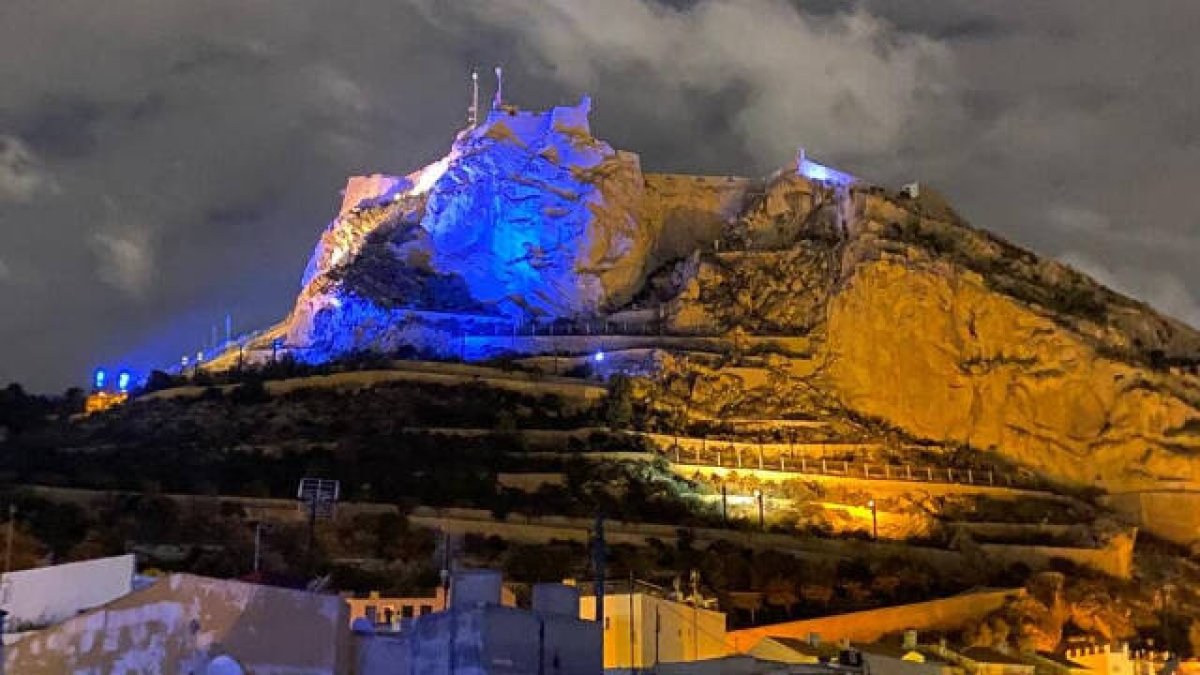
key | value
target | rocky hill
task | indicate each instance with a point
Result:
(911, 321)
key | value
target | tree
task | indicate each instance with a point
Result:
(618, 407)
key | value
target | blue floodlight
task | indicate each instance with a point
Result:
(123, 380)
(598, 357)
(99, 378)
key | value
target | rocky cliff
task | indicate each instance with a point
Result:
(916, 323)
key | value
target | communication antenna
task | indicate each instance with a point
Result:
(317, 496)
(473, 111)
(498, 98)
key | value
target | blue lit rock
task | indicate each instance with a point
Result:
(527, 216)
(538, 216)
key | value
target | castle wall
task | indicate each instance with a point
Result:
(868, 626)
(360, 189)
(693, 210)
(1172, 514)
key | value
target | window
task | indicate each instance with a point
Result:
(406, 611)
(426, 609)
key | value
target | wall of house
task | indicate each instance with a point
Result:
(684, 633)
(39, 597)
(182, 622)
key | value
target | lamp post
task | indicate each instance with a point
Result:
(762, 521)
(874, 520)
(258, 528)
(724, 504)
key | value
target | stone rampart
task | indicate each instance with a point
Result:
(1173, 514)
(868, 626)
(693, 210)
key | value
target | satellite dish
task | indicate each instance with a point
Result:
(224, 665)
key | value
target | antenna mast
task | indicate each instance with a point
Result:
(473, 111)
(498, 99)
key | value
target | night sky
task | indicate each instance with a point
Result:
(164, 162)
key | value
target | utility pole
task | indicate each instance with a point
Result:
(258, 528)
(632, 632)
(598, 567)
(695, 579)
(657, 632)
(874, 520)
(762, 515)
(8, 552)
(312, 536)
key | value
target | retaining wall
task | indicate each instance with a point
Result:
(869, 626)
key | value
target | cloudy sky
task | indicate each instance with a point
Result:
(165, 162)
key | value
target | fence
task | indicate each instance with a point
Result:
(737, 457)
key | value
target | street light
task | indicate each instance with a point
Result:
(762, 523)
(874, 520)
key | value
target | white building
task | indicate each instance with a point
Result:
(644, 629)
(44, 596)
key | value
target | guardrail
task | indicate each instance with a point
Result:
(738, 458)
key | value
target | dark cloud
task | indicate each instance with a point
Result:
(61, 126)
(164, 163)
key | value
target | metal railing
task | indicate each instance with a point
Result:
(742, 459)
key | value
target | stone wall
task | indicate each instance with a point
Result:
(870, 625)
(692, 210)
(1173, 514)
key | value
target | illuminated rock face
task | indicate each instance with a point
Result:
(538, 216)
(528, 215)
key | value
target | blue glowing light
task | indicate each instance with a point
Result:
(123, 381)
(598, 357)
(99, 378)
(821, 173)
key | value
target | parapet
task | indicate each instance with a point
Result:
(821, 173)
(361, 189)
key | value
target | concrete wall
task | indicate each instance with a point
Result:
(47, 595)
(868, 626)
(180, 623)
